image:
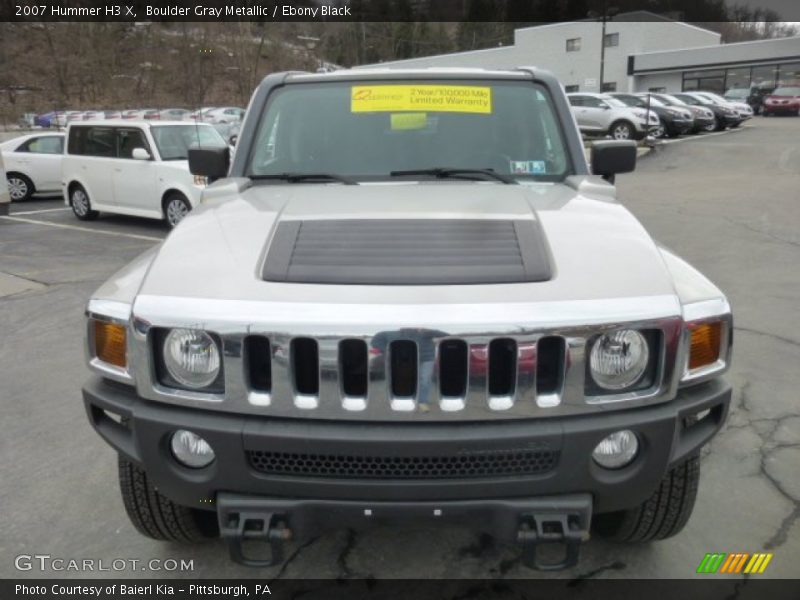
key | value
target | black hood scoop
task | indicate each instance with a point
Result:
(408, 252)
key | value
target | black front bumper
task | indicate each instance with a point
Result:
(667, 433)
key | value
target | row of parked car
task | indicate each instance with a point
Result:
(207, 114)
(627, 116)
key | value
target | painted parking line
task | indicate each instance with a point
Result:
(704, 136)
(134, 236)
(36, 212)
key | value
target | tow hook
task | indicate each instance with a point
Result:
(538, 529)
(237, 528)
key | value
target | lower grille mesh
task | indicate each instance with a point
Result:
(462, 466)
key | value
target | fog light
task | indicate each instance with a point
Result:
(191, 450)
(617, 450)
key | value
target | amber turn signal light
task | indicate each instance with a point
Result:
(704, 345)
(109, 343)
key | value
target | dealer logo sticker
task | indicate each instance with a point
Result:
(734, 563)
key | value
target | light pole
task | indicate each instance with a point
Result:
(605, 15)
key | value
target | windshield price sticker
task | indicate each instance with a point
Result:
(431, 98)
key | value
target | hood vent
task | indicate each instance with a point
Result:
(407, 252)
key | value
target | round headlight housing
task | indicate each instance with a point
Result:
(191, 357)
(619, 359)
(191, 450)
(616, 450)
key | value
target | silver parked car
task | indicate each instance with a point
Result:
(5, 197)
(605, 115)
(408, 296)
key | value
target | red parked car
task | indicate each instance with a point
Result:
(784, 100)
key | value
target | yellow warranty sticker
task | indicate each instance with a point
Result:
(431, 98)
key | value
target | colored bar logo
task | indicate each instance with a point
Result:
(734, 563)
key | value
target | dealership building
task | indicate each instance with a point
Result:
(643, 52)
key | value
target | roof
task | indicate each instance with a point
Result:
(138, 122)
(522, 72)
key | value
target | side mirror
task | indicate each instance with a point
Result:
(140, 154)
(209, 162)
(611, 157)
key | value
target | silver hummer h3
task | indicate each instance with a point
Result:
(407, 296)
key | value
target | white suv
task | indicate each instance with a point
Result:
(601, 114)
(134, 168)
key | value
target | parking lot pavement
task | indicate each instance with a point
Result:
(728, 203)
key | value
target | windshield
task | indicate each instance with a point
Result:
(653, 101)
(672, 100)
(174, 141)
(737, 93)
(367, 130)
(614, 101)
(787, 91)
(715, 98)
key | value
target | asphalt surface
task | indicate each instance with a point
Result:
(727, 203)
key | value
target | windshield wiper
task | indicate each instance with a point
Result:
(443, 172)
(299, 177)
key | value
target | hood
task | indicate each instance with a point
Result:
(596, 248)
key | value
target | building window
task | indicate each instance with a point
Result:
(609, 86)
(789, 75)
(573, 45)
(658, 90)
(570, 89)
(705, 81)
(611, 39)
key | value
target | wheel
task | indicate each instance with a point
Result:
(662, 515)
(176, 207)
(19, 187)
(621, 130)
(661, 130)
(81, 206)
(156, 516)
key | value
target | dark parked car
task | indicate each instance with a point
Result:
(724, 116)
(784, 100)
(703, 117)
(673, 121)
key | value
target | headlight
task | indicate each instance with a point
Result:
(191, 450)
(191, 357)
(617, 450)
(619, 359)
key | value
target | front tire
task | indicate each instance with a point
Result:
(622, 130)
(20, 188)
(81, 205)
(661, 130)
(176, 207)
(662, 515)
(156, 516)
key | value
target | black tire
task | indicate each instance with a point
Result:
(617, 127)
(156, 516)
(80, 203)
(176, 207)
(20, 187)
(662, 515)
